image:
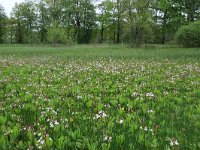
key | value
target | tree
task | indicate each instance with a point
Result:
(11, 23)
(111, 20)
(19, 31)
(88, 20)
(25, 16)
(119, 13)
(132, 21)
(56, 35)
(43, 20)
(2, 23)
(189, 36)
(192, 9)
(28, 14)
(84, 16)
(169, 16)
(139, 23)
(105, 17)
(54, 8)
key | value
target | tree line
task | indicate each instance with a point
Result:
(88, 21)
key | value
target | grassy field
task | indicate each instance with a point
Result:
(93, 51)
(99, 97)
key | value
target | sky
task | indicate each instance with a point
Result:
(9, 4)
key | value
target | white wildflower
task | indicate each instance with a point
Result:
(51, 125)
(97, 116)
(56, 122)
(107, 138)
(100, 114)
(41, 141)
(104, 114)
(79, 97)
(145, 129)
(150, 94)
(174, 142)
(150, 111)
(121, 121)
(134, 94)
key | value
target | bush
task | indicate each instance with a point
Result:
(57, 35)
(189, 36)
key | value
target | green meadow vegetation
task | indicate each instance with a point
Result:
(93, 51)
(99, 97)
(100, 75)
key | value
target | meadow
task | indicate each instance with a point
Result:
(99, 97)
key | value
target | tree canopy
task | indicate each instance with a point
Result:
(2, 23)
(88, 21)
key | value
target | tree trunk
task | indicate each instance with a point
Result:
(11, 34)
(30, 29)
(118, 32)
(118, 22)
(20, 34)
(164, 27)
(102, 30)
(114, 37)
(1, 32)
(78, 31)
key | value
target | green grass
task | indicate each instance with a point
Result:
(99, 97)
(100, 51)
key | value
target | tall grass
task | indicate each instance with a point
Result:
(93, 51)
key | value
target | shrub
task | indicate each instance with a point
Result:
(189, 36)
(57, 35)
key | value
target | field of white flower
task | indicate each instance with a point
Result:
(101, 103)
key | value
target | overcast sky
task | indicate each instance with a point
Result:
(9, 4)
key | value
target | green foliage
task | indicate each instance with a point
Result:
(2, 24)
(2, 120)
(85, 21)
(138, 33)
(139, 28)
(57, 35)
(189, 36)
(105, 18)
(28, 114)
(23, 23)
(92, 97)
